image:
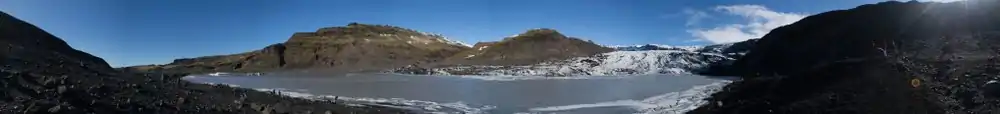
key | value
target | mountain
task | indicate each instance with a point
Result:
(355, 47)
(531, 47)
(648, 47)
(42, 74)
(735, 49)
(886, 58)
(628, 60)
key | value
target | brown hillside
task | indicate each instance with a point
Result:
(354, 47)
(533, 46)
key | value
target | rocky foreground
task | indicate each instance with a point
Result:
(886, 58)
(42, 74)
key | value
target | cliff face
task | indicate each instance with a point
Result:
(531, 47)
(42, 74)
(890, 57)
(354, 47)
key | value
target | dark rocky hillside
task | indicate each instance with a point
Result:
(886, 58)
(42, 74)
(531, 47)
(350, 48)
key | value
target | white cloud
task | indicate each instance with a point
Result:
(943, 1)
(756, 22)
(694, 16)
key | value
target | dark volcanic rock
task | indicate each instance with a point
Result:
(42, 74)
(885, 58)
(531, 47)
(354, 47)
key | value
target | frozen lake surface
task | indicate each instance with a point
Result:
(493, 94)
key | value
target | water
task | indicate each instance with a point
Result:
(624, 94)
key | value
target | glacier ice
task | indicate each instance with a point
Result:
(612, 63)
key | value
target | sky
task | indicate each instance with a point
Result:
(139, 32)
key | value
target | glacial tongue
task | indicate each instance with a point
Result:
(628, 60)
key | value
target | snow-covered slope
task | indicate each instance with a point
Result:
(441, 38)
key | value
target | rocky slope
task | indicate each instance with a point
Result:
(354, 47)
(42, 74)
(885, 58)
(531, 47)
(628, 60)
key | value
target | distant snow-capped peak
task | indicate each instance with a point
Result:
(443, 39)
(646, 47)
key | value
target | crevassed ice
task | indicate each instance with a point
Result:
(612, 63)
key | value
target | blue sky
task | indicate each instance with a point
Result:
(136, 32)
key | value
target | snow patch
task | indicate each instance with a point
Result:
(285, 92)
(594, 105)
(481, 48)
(515, 35)
(453, 42)
(470, 56)
(441, 38)
(218, 74)
(684, 101)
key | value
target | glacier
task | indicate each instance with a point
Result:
(612, 63)
(626, 60)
